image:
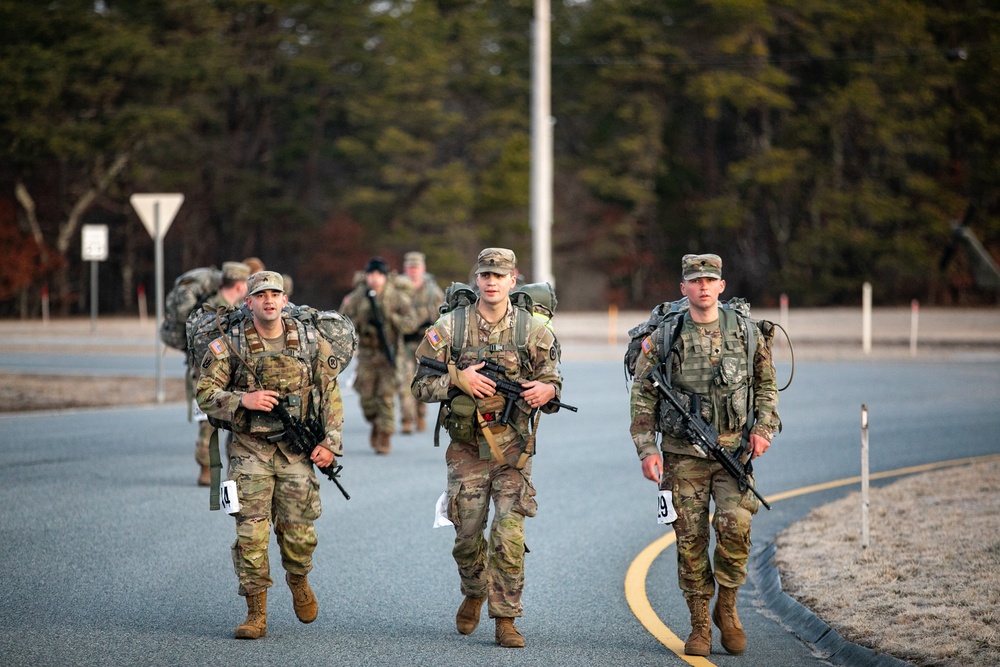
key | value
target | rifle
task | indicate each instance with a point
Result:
(379, 323)
(494, 371)
(704, 437)
(303, 437)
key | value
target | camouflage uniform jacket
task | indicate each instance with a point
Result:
(540, 361)
(308, 387)
(426, 300)
(398, 314)
(724, 411)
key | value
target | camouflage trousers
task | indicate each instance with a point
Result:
(493, 569)
(694, 482)
(288, 494)
(201, 445)
(377, 384)
(406, 367)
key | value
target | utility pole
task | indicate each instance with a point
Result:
(541, 145)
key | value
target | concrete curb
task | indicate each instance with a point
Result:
(804, 624)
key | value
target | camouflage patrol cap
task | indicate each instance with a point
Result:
(263, 280)
(235, 271)
(496, 260)
(701, 266)
(414, 258)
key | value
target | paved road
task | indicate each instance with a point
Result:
(110, 555)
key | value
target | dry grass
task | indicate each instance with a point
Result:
(927, 589)
(49, 392)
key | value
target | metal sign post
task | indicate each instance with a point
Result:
(157, 211)
(93, 249)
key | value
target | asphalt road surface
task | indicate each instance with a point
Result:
(109, 554)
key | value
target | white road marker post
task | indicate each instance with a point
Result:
(865, 537)
(866, 318)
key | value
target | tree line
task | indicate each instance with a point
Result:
(814, 145)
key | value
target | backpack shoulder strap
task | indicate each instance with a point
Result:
(670, 331)
(460, 319)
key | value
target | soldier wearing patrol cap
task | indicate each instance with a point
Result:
(486, 459)
(427, 296)
(273, 358)
(228, 297)
(710, 356)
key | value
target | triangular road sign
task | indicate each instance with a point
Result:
(145, 206)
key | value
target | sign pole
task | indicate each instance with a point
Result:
(160, 395)
(157, 211)
(93, 249)
(93, 297)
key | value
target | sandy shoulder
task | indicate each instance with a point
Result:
(927, 589)
(23, 392)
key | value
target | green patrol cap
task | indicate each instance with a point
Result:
(701, 266)
(263, 280)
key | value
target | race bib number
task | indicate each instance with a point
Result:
(665, 508)
(196, 413)
(441, 512)
(229, 499)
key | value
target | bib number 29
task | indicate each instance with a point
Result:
(665, 508)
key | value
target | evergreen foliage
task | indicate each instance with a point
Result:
(813, 144)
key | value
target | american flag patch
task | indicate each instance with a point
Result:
(433, 336)
(647, 345)
(217, 347)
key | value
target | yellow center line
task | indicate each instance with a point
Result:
(635, 577)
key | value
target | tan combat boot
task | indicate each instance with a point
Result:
(407, 428)
(255, 626)
(306, 606)
(421, 424)
(467, 618)
(699, 642)
(507, 634)
(205, 476)
(382, 444)
(734, 640)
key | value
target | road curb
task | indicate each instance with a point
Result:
(804, 624)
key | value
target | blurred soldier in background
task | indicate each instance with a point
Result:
(427, 297)
(229, 296)
(382, 312)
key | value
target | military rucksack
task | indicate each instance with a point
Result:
(536, 297)
(208, 324)
(667, 319)
(189, 292)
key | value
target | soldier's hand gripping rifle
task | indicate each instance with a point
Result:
(511, 391)
(703, 435)
(304, 436)
(378, 321)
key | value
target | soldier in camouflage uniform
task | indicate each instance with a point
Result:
(377, 378)
(427, 298)
(231, 293)
(272, 480)
(709, 358)
(493, 569)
